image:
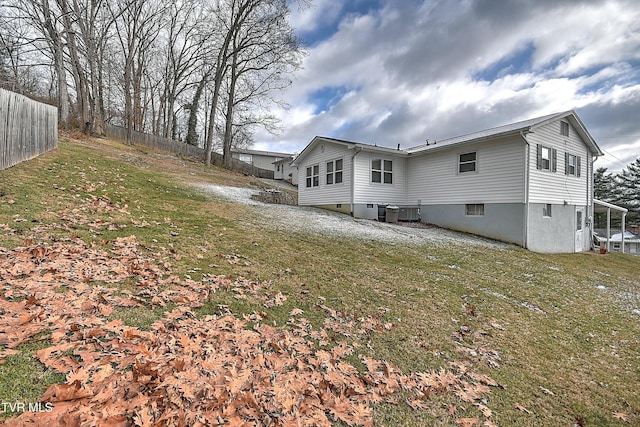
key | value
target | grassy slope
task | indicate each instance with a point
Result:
(576, 358)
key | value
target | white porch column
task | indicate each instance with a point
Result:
(608, 229)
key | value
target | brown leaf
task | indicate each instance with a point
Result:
(521, 408)
(467, 422)
(144, 418)
(65, 392)
(621, 416)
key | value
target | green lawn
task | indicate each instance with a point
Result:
(557, 332)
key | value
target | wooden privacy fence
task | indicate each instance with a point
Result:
(186, 150)
(28, 128)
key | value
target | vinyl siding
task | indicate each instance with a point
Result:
(557, 187)
(380, 193)
(433, 177)
(325, 194)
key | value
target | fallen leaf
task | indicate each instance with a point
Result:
(621, 416)
(467, 422)
(521, 408)
(547, 391)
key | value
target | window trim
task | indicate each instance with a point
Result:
(333, 175)
(313, 176)
(473, 162)
(553, 158)
(474, 209)
(385, 175)
(247, 158)
(576, 166)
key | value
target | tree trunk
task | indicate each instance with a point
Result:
(78, 70)
(61, 71)
(228, 129)
(192, 131)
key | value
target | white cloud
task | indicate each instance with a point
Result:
(409, 70)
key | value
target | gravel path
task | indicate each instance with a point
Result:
(321, 221)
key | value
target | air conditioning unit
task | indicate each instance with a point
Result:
(409, 214)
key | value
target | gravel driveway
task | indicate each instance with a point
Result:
(321, 221)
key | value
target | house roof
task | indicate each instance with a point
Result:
(522, 127)
(261, 153)
(285, 160)
(618, 236)
(351, 145)
(600, 206)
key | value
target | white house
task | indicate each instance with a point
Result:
(257, 158)
(529, 183)
(284, 170)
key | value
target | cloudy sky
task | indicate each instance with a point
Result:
(401, 71)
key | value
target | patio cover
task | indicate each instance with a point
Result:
(600, 206)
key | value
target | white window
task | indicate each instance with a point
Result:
(546, 210)
(467, 162)
(572, 164)
(474, 209)
(334, 172)
(547, 158)
(247, 158)
(578, 220)
(313, 176)
(382, 171)
(564, 128)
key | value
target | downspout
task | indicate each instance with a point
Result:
(353, 180)
(527, 167)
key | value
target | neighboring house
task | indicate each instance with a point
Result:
(259, 159)
(284, 170)
(528, 183)
(631, 242)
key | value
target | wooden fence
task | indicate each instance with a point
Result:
(28, 128)
(186, 150)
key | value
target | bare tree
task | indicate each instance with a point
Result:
(44, 20)
(257, 37)
(138, 23)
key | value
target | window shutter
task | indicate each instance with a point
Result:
(578, 166)
(554, 160)
(539, 156)
(566, 163)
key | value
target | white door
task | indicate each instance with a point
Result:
(579, 229)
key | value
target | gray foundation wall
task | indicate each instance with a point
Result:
(363, 211)
(504, 222)
(555, 234)
(501, 221)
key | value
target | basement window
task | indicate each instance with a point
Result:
(474, 209)
(546, 210)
